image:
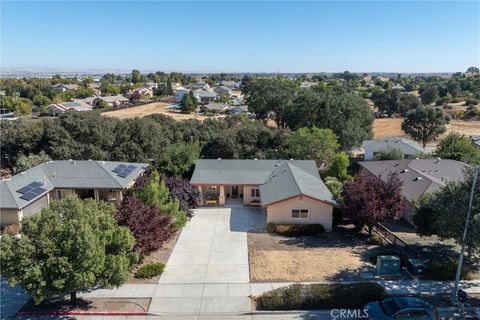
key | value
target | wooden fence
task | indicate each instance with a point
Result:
(390, 237)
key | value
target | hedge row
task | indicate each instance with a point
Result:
(321, 296)
(296, 229)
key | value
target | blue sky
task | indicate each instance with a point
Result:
(250, 36)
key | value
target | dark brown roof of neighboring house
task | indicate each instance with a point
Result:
(419, 176)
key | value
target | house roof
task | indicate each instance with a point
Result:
(78, 105)
(113, 99)
(406, 145)
(66, 86)
(206, 94)
(419, 176)
(278, 179)
(287, 181)
(67, 174)
(476, 140)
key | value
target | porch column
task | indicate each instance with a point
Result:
(95, 194)
(200, 202)
(221, 196)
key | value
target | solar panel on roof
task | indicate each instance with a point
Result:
(24, 189)
(119, 168)
(29, 187)
(123, 174)
(38, 191)
(28, 196)
(132, 167)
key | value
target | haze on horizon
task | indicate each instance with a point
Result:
(286, 37)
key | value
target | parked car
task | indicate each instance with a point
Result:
(410, 308)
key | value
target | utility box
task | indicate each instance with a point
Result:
(416, 267)
(388, 265)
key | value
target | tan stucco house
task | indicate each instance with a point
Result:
(29, 192)
(291, 191)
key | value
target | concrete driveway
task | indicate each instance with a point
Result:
(207, 272)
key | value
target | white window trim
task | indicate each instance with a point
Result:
(254, 189)
(299, 210)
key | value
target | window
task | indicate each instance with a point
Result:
(212, 188)
(299, 214)
(59, 194)
(255, 193)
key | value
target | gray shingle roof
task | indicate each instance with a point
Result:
(66, 174)
(278, 179)
(406, 145)
(433, 174)
(287, 181)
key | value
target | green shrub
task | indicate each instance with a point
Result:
(271, 227)
(445, 270)
(321, 296)
(375, 239)
(299, 229)
(150, 270)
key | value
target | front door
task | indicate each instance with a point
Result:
(234, 191)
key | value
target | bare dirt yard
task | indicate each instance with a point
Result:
(153, 108)
(389, 127)
(330, 257)
(160, 255)
(86, 305)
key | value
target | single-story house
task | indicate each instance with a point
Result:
(230, 84)
(237, 109)
(29, 192)
(199, 85)
(419, 176)
(214, 107)
(65, 87)
(78, 105)
(223, 91)
(410, 148)
(139, 92)
(291, 191)
(205, 96)
(113, 101)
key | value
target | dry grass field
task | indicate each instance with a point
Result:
(153, 108)
(389, 127)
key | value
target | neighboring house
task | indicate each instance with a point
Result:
(419, 176)
(214, 107)
(112, 101)
(78, 105)
(199, 86)
(398, 87)
(230, 84)
(29, 192)
(410, 148)
(97, 86)
(150, 85)
(142, 92)
(291, 191)
(223, 91)
(205, 96)
(65, 87)
(237, 109)
(179, 95)
(238, 101)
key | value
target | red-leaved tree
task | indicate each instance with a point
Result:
(150, 227)
(184, 192)
(370, 199)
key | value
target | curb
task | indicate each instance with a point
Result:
(77, 313)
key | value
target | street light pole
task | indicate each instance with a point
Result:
(464, 238)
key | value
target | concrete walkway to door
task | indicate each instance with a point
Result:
(207, 272)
